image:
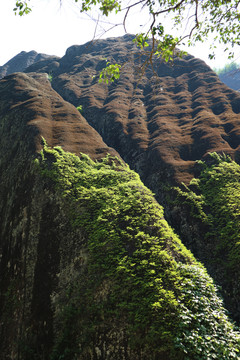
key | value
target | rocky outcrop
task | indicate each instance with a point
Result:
(37, 111)
(161, 120)
(89, 267)
(21, 61)
(31, 219)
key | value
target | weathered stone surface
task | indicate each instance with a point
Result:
(30, 102)
(161, 120)
(32, 218)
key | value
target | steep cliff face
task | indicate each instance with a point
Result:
(161, 121)
(29, 109)
(95, 272)
(211, 202)
(33, 107)
(23, 60)
(89, 267)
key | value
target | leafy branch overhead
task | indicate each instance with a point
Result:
(201, 18)
(22, 8)
(192, 20)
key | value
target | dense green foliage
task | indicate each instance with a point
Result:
(139, 280)
(215, 199)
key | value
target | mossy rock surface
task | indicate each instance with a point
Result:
(138, 293)
(213, 200)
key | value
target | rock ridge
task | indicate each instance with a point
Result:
(22, 61)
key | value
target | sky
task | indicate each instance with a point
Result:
(51, 28)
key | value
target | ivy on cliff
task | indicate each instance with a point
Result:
(139, 277)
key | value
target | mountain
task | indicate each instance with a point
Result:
(90, 267)
(21, 61)
(167, 118)
(231, 79)
(30, 110)
(161, 121)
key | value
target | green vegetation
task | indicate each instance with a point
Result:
(22, 8)
(215, 199)
(80, 109)
(110, 73)
(50, 77)
(140, 287)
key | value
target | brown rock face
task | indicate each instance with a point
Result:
(37, 111)
(160, 121)
(32, 222)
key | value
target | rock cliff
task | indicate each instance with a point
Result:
(167, 117)
(90, 269)
(161, 121)
(29, 110)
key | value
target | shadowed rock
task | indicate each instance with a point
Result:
(21, 61)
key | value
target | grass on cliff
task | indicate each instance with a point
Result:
(139, 278)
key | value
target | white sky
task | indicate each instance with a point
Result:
(51, 29)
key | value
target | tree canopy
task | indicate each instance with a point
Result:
(192, 20)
